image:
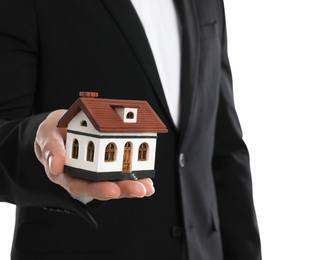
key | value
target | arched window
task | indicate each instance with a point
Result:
(143, 152)
(130, 115)
(90, 152)
(110, 153)
(75, 149)
(83, 123)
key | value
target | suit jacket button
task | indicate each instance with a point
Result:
(182, 160)
(177, 231)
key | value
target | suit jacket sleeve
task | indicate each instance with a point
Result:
(22, 177)
(232, 176)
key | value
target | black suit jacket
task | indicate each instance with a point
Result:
(52, 49)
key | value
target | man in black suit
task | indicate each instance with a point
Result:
(202, 207)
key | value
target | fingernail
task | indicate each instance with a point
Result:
(107, 197)
(149, 181)
(135, 196)
(50, 161)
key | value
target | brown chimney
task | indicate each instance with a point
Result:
(88, 94)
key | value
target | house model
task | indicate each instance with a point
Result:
(110, 139)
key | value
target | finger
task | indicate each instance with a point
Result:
(84, 188)
(148, 184)
(131, 189)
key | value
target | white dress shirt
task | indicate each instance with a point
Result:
(161, 24)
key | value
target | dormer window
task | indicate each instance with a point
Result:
(127, 114)
(83, 123)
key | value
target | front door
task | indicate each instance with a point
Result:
(127, 158)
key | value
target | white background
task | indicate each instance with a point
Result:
(278, 53)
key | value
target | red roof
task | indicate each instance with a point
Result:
(104, 117)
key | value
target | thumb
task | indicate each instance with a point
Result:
(54, 155)
(56, 163)
(50, 143)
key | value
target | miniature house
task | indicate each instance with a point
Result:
(110, 139)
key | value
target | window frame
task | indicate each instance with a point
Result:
(110, 152)
(130, 115)
(90, 152)
(75, 149)
(143, 152)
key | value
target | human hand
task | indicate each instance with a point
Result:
(50, 150)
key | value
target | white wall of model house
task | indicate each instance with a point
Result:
(99, 164)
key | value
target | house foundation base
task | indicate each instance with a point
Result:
(108, 176)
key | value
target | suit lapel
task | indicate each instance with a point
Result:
(190, 59)
(127, 19)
